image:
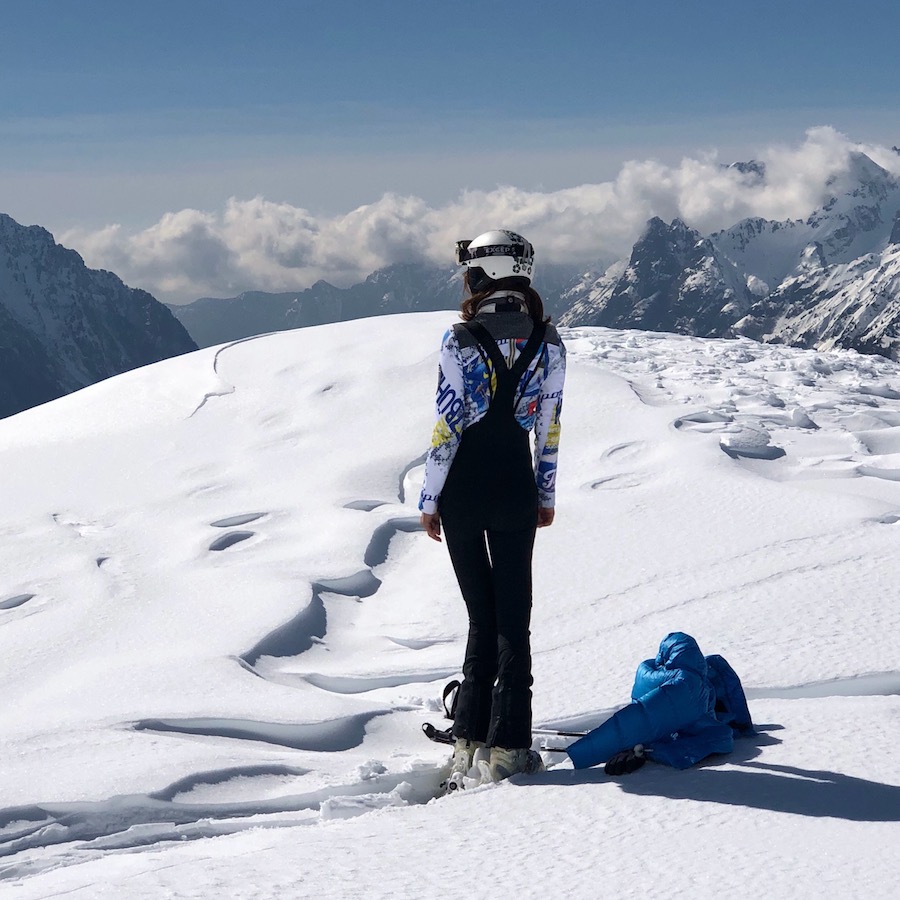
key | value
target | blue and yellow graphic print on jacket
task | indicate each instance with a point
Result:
(466, 383)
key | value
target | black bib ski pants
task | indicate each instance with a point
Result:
(489, 514)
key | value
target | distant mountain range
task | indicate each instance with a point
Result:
(404, 287)
(830, 280)
(64, 326)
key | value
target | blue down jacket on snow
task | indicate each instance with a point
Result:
(684, 707)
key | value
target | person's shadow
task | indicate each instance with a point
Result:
(790, 789)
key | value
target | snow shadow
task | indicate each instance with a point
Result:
(365, 505)
(345, 684)
(235, 521)
(324, 737)
(295, 636)
(380, 542)
(787, 789)
(223, 776)
(14, 602)
(767, 452)
(137, 820)
(739, 778)
(300, 633)
(401, 481)
(419, 644)
(230, 539)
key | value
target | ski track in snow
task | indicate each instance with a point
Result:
(770, 423)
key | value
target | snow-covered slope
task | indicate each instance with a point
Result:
(63, 326)
(220, 632)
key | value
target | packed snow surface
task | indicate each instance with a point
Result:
(221, 630)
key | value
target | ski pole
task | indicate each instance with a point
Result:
(559, 733)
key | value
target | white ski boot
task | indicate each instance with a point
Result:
(461, 762)
(505, 763)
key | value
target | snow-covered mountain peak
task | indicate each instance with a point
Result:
(863, 177)
(753, 170)
(829, 280)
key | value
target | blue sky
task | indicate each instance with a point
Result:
(205, 147)
(113, 111)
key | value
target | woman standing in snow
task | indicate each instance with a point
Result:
(501, 376)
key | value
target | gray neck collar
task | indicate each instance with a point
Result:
(490, 303)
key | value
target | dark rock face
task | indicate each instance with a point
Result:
(64, 326)
(675, 281)
(895, 231)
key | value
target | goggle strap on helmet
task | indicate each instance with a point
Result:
(517, 250)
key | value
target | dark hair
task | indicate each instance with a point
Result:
(533, 303)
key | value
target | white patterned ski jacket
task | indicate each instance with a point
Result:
(466, 383)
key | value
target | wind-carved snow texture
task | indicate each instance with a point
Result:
(230, 539)
(402, 486)
(169, 814)
(321, 737)
(176, 812)
(310, 625)
(794, 585)
(379, 545)
(782, 397)
(16, 601)
(878, 684)
(235, 521)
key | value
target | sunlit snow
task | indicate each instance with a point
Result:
(221, 631)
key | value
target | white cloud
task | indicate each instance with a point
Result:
(263, 245)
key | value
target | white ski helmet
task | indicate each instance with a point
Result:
(499, 254)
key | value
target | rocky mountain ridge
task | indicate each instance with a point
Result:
(64, 326)
(830, 280)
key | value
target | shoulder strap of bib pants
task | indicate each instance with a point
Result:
(505, 375)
